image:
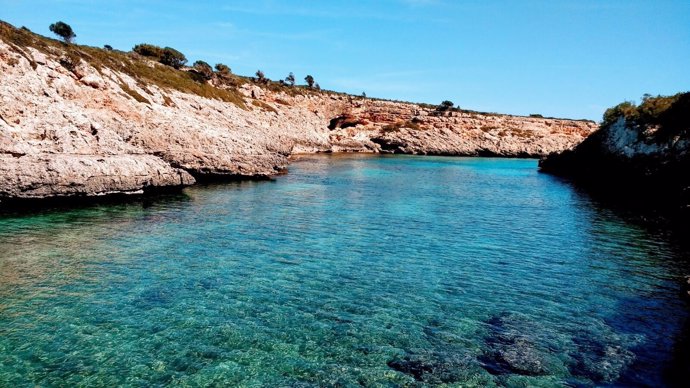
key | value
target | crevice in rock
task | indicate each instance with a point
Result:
(15, 154)
(345, 121)
(5, 121)
(387, 146)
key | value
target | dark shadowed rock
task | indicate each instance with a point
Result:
(512, 348)
(639, 151)
(435, 367)
(413, 366)
(601, 356)
(518, 345)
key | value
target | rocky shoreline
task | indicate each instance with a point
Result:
(85, 129)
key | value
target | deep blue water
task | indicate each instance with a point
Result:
(349, 271)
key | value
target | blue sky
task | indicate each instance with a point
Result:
(557, 58)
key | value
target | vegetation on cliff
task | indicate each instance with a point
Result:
(642, 149)
(671, 114)
(63, 30)
(165, 67)
(166, 55)
(204, 70)
(133, 64)
(290, 79)
(167, 71)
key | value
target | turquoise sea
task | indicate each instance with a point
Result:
(349, 271)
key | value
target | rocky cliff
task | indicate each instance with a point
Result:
(77, 120)
(639, 151)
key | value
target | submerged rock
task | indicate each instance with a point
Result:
(518, 345)
(435, 367)
(512, 347)
(153, 297)
(413, 366)
(601, 355)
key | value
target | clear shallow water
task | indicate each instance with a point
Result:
(350, 271)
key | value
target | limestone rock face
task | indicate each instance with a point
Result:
(407, 128)
(89, 131)
(47, 175)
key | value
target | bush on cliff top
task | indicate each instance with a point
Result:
(261, 77)
(148, 50)
(290, 79)
(223, 70)
(166, 55)
(204, 69)
(445, 105)
(671, 113)
(310, 81)
(173, 58)
(131, 64)
(63, 30)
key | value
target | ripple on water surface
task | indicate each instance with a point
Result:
(351, 270)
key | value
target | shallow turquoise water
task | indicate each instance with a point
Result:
(350, 271)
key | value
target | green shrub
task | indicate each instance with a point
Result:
(148, 50)
(670, 113)
(445, 105)
(167, 55)
(223, 70)
(290, 79)
(173, 58)
(204, 70)
(626, 109)
(309, 80)
(653, 108)
(261, 77)
(63, 30)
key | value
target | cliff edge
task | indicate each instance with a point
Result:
(84, 121)
(642, 150)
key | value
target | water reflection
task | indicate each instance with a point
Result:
(661, 238)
